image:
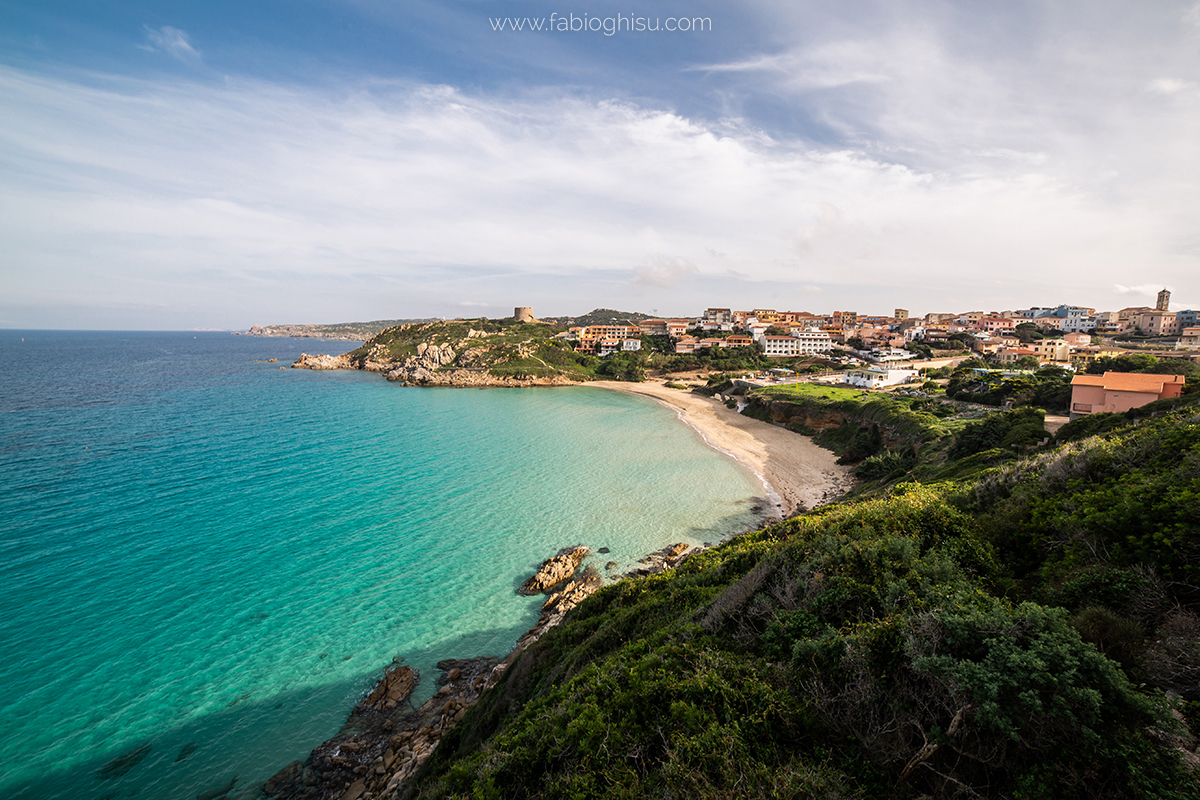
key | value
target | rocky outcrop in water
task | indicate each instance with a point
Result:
(385, 741)
(305, 361)
(555, 570)
(667, 558)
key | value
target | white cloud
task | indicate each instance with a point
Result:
(250, 193)
(171, 41)
(1168, 86)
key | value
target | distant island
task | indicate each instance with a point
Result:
(345, 331)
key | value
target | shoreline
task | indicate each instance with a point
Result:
(797, 474)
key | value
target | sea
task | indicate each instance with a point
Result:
(206, 558)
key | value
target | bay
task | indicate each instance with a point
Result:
(207, 554)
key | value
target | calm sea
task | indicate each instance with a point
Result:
(209, 555)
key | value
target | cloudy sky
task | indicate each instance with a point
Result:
(175, 165)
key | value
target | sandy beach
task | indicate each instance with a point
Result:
(798, 474)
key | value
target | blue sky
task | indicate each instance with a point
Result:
(180, 165)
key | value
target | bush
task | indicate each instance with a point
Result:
(1018, 426)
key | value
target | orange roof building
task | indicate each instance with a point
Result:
(1120, 391)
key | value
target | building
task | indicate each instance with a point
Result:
(872, 378)
(996, 324)
(1051, 350)
(1083, 356)
(1164, 300)
(1012, 355)
(1190, 339)
(738, 341)
(812, 341)
(590, 338)
(845, 319)
(1078, 339)
(718, 315)
(900, 314)
(1115, 392)
(780, 346)
(1068, 319)
(686, 344)
(1156, 323)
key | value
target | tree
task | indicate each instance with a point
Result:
(1028, 332)
(1027, 362)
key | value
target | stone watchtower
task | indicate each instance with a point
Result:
(523, 314)
(1164, 300)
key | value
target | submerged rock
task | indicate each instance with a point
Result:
(555, 571)
(286, 776)
(187, 750)
(123, 763)
(219, 791)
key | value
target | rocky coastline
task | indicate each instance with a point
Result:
(386, 741)
(432, 365)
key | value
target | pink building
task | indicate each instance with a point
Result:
(1120, 391)
(1078, 339)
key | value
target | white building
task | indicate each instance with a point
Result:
(873, 378)
(780, 346)
(812, 341)
(891, 354)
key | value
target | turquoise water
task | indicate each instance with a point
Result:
(198, 549)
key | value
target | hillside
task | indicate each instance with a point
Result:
(600, 316)
(1026, 628)
(477, 352)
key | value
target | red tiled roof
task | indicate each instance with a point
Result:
(1127, 381)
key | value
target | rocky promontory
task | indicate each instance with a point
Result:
(464, 353)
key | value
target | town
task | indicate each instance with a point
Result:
(882, 351)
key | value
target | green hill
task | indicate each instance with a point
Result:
(1028, 629)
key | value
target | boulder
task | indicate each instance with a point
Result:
(555, 571)
(395, 687)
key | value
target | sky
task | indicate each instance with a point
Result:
(171, 165)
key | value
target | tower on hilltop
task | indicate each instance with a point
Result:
(1164, 300)
(524, 314)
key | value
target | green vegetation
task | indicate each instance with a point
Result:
(1141, 362)
(987, 615)
(942, 640)
(601, 316)
(1048, 387)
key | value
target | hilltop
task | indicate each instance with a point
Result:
(600, 316)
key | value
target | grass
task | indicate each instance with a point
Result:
(809, 390)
